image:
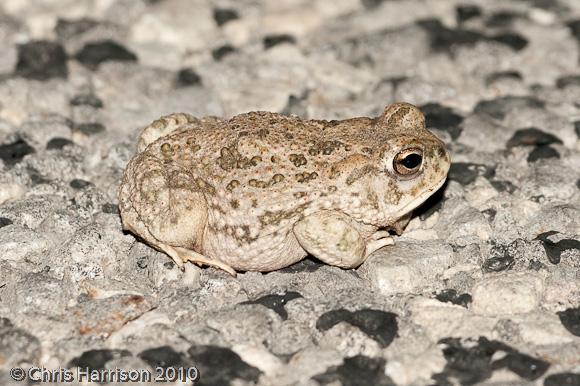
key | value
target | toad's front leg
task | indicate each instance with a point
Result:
(332, 238)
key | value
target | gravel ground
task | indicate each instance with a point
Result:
(482, 288)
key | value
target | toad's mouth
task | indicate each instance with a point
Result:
(411, 205)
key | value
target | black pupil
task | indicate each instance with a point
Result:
(412, 161)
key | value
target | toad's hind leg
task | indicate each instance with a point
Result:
(166, 206)
(332, 238)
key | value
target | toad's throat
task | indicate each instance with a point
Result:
(411, 205)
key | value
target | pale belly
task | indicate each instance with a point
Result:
(266, 253)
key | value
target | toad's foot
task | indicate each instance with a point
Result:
(183, 255)
(380, 235)
(377, 241)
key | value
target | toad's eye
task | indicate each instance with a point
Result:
(408, 162)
